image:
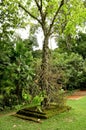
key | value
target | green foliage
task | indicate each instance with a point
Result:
(80, 45)
(26, 96)
(53, 16)
(72, 58)
(75, 69)
(72, 68)
(37, 100)
(8, 18)
(16, 70)
(50, 18)
(75, 44)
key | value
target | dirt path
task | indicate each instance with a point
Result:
(77, 95)
(8, 114)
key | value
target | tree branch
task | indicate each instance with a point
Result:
(40, 10)
(39, 21)
(37, 4)
(51, 25)
(42, 14)
(41, 3)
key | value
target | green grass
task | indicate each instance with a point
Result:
(75, 119)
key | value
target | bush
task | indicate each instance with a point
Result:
(72, 68)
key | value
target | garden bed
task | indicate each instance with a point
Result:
(33, 114)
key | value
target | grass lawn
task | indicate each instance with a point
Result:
(75, 119)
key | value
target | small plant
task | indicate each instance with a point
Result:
(37, 100)
(26, 96)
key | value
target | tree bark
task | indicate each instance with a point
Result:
(45, 71)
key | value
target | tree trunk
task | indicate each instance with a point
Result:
(18, 92)
(45, 71)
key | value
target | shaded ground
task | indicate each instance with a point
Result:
(77, 95)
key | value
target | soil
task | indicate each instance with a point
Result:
(77, 95)
(8, 114)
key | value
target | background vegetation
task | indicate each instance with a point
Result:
(28, 75)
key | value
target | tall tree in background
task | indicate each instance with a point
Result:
(48, 14)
